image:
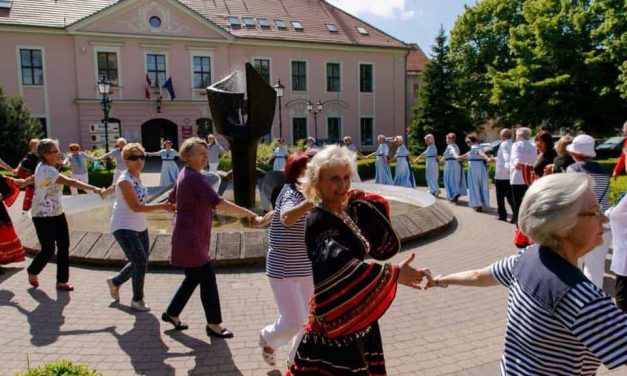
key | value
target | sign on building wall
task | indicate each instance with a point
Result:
(97, 135)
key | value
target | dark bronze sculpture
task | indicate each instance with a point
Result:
(243, 120)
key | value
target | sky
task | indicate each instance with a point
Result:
(412, 21)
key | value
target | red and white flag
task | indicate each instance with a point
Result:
(147, 88)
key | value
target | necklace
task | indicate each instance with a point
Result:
(349, 222)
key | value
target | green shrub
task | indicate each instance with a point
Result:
(617, 187)
(60, 368)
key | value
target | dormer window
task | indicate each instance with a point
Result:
(297, 25)
(5, 4)
(332, 28)
(263, 22)
(362, 31)
(280, 24)
(233, 20)
(248, 21)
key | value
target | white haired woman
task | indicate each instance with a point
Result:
(403, 175)
(342, 336)
(478, 192)
(169, 168)
(523, 153)
(432, 168)
(383, 174)
(454, 180)
(558, 321)
(120, 166)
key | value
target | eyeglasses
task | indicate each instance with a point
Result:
(598, 212)
(52, 152)
(135, 157)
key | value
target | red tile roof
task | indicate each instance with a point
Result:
(417, 60)
(312, 14)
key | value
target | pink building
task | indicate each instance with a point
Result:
(53, 53)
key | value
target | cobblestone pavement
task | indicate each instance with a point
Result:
(457, 331)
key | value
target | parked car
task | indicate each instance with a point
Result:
(611, 148)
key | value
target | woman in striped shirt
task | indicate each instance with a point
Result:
(287, 265)
(558, 321)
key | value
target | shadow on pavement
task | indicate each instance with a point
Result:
(450, 230)
(6, 273)
(47, 318)
(207, 356)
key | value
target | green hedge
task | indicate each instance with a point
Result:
(60, 368)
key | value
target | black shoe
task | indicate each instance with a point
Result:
(455, 199)
(501, 219)
(224, 333)
(478, 209)
(177, 326)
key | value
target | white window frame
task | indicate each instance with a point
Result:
(359, 64)
(97, 77)
(252, 62)
(19, 66)
(341, 130)
(199, 53)
(158, 51)
(326, 89)
(306, 75)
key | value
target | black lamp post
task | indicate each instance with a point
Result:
(315, 112)
(279, 93)
(103, 87)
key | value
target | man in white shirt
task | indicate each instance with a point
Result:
(522, 153)
(501, 175)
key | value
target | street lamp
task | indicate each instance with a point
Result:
(279, 93)
(315, 112)
(103, 87)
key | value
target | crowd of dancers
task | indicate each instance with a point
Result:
(329, 298)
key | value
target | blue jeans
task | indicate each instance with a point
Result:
(135, 245)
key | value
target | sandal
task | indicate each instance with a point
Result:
(268, 357)
(177, 325)
(65, 287)
(33, 280)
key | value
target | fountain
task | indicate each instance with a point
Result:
(243, 118)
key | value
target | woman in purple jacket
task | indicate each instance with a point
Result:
(195, 202)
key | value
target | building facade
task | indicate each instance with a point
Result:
(54, 52)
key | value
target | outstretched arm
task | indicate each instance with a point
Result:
(477, 278)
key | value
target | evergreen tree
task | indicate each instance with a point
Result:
(436, 111)
(17, 127)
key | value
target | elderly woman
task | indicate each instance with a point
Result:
(129, 226)
(215, 151)
(383, 175)
(558, 322)
(279, 155)
(78, 164)
(195, 202)
(48, 216)
(342, 336)
(618, 224)
(116, 154)
(169, 168)
(348, 144)
(403, 175)
(432, 168)
(454, 181)
(478, 193)
(523, 153)
(287, 264)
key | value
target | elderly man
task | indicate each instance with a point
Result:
(582, 151)
(620, 165)
(523, 153)
(501, 175)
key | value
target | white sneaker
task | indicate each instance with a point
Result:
(113, 289)
(139, 306)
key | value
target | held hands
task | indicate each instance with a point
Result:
(408, 275)
(100, 192)
(433, 281)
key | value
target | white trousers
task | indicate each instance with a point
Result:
(292, 298)
(80, 177)
(213, 167)
(594, 261)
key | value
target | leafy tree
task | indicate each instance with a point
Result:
(16, 128)
(436, 111)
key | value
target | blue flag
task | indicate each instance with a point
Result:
(169, 87)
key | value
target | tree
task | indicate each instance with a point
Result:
(16, 128)
(436, 111)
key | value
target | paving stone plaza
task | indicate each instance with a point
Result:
(454, 331)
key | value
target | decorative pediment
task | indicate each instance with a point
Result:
(152, 18)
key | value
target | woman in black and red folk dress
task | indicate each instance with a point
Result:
(342, 335)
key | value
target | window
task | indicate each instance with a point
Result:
(333, 77)
(233, 20)
(299, 129)
(32, 67)
(263, 67)
(108, 66)
(362, 31)
(155, 21)
(365, 78)
(297, 25)
(334, 128)
(366, 131)
(280, 24)
(44, 126)
(248, 21)
(331, 28)
(263, 22)
(202, 72)
(155, 66)
(299, 76)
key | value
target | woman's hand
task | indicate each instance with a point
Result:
(168, 206)
(433, 281)
(408, 275)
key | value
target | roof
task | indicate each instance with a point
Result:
(416, 60)
(312, 14)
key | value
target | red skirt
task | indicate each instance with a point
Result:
(11, 249)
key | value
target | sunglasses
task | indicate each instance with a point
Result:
(135, 157)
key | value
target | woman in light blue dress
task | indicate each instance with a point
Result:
(169, 168)
(403, 175)
(280, 155)
(383, 175)
(454, 180)
(477, 175)
(432, 168)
